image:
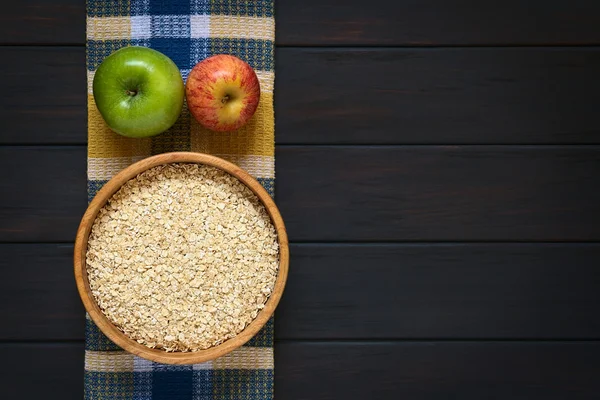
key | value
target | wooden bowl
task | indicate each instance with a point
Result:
(117, 336)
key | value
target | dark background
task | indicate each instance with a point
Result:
(437, 169)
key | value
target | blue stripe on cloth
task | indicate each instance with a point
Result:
(264, 337)
(140, 7)
(177, 49)
(172, 382)
(96, 340)
(158, 367)
(176, 138)
(142, 385)
(169, 7)
(200, 7)
(198, 50)
(93, 187)
(98, 50)
(113, 8)
(256, 52)
(186, 52)
(203, 387)
(268, 184)
(242, 384)
(108, 385)
(255, 8)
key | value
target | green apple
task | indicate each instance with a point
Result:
(138, 91)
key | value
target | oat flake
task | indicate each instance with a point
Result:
(182, 257)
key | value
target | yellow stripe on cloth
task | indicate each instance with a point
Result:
(233, 26)
(108, 28)
(108, 361)
(241, 358)
(104, 143)
(257, 166)
(257, 137)
(103, 169)
(246, 358)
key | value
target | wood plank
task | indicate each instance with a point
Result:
(436, 371)
(441, 291)
(353, 22)
(359, 193)
(44, 193)
(437, 291)
(40, 278)
(437, 22)
(439, 193)
(42, 371)
(44, 95)
(437, 96)
(43, 22)
(387, 370)
(354, 96)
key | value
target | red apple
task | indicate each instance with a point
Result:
(222, 92)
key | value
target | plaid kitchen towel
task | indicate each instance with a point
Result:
(187, 31)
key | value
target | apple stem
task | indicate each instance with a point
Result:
(225, 99)
(131, 92)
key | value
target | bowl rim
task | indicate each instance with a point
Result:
(120, 338)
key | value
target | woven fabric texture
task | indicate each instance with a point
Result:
(188, 31)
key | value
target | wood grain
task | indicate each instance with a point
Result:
(43, 22)
(438, 371)
(379, 370)
(354, 22)
(437, 22)
(44, 95)
(44, 193)
(441, 291)
(41, 278)
(111, 330)
(354, 96)
(359, 193)
(358, 291)
(437, 96)
(42, 371)
(439, 193)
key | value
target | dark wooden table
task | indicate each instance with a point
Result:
(437, 166)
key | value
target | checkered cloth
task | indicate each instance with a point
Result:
(187, 31)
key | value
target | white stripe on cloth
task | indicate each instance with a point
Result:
(102, 169)
(257, 166)
(122, 361)
(170, 26)
(142, 365)
(203, 366)
(108, 361)
(140, 27)
(266, 79)
(199, 26)
(181, 26)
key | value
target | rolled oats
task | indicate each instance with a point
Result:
(182, 257)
